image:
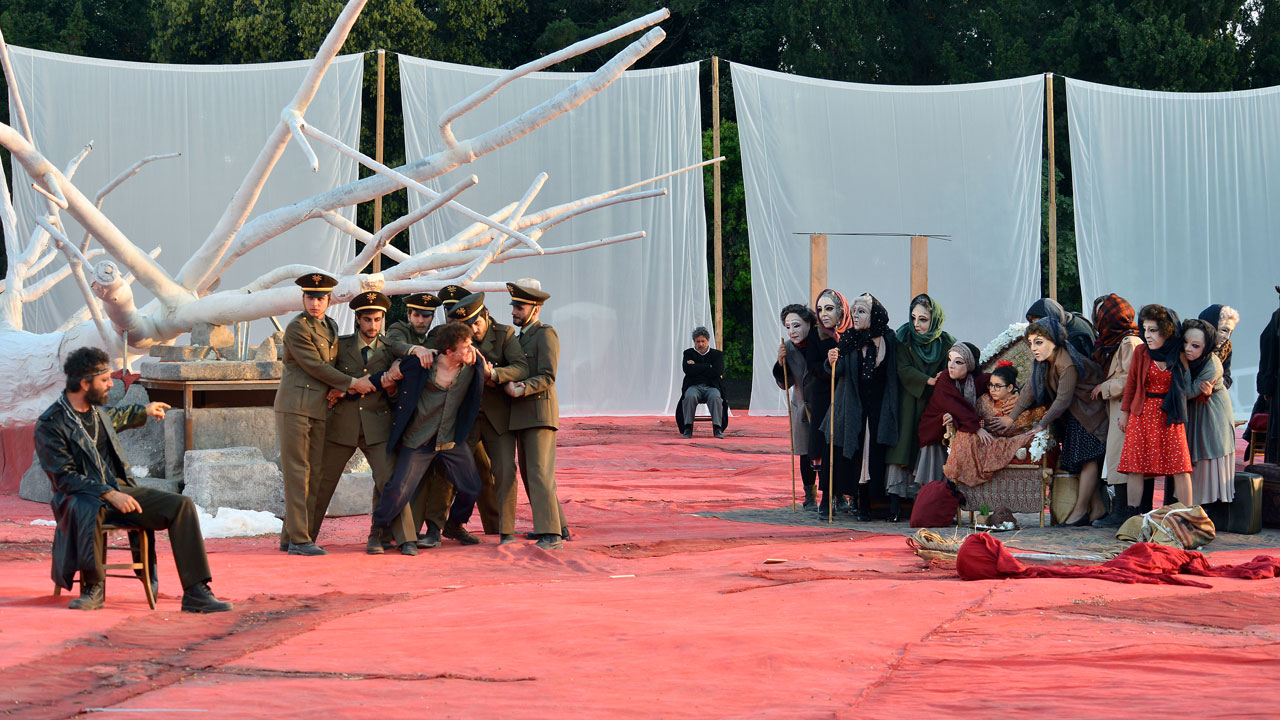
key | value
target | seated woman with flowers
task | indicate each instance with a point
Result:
(976, 456)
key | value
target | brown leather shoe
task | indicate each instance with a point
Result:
(91, 597)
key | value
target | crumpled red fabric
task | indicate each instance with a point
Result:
(982, 557)
(127, 378)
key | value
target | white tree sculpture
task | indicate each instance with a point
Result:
(115, 323)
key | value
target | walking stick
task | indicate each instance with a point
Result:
(791, 431)
(831, 463)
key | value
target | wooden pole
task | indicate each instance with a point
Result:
(1053, 189)
(919, 265)
(817, 265)
(715, 200)
(831, 460)
(377, 147)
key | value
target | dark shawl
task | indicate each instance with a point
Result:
(1079, 332)
(949, 398)
(1213, 316)
(1170, 353)
(848, 415)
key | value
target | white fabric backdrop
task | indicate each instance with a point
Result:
(1177, 201)
(218, 117)
(624, 312)
(959, 160)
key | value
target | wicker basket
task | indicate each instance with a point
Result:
(1062, 498)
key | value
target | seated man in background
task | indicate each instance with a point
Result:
(703, 383)
(78, 449)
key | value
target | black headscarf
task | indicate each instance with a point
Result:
(1170, 353)
(1210, 339)
(1058, 334)
(863, 341)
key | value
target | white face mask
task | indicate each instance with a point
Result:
(829, 314)
(797, 329)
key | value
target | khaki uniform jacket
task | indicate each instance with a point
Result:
(501, 349)
(403, 332)
(539, 406)
(310, 347)
(353, 413)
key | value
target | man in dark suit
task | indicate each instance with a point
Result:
(436, 407)
(360, 421)
(78, 449)
(703, 383)
(535, 413)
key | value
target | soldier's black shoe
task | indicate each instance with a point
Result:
(199, 599)
(409, 548)
(431, 539)
(306, 549)
(91, 597)
(506, 538)
(550, 542)
(687, 434)
(373, 545)
(284, 546)
(454, 531)
(717, 432)
(564, 532)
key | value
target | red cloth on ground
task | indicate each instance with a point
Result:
(982, 557)
(935, 505)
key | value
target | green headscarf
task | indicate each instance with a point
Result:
(924, 345)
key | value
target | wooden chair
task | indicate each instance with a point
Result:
(1255, 443)
(139, 547)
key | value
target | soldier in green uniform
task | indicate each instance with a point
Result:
(421, 309)
(310, 347)
(506, 363)
(535, 414)
(360, 421)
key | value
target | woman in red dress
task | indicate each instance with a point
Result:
(1153, 413)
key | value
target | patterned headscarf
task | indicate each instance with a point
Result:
(846, 320)
(1213, 316)
(1113, 316)
(924, 345)
(879, 326)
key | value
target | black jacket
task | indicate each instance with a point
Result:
(706, 370)
(411, 386)
(79, 482)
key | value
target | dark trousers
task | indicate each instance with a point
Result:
(412, 464)
(431, 503)
(160, 511)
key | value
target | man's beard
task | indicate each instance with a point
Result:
(94, 397)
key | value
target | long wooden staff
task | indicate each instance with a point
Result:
(791, 435)
(831, 464)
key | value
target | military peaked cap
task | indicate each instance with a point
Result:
(370, 301)
(318, 283)
(468, 308)
(422, 302)
(527, 295)
(450, 294)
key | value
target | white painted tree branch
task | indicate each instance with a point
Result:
(38, 289)
(378, 242)
(119, 180)
(475, 99)
(196, 273)
(70, 170)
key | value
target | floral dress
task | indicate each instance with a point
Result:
(1152, 447)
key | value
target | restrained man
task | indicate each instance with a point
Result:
(78, 449)
(361, 421)
(435, 409)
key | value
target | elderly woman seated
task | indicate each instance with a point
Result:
(964, 403)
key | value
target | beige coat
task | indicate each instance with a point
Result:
(1113, 393)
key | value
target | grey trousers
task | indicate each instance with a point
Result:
(703, 394)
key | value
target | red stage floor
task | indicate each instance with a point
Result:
(650, 611)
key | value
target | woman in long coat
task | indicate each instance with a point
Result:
(922, 354)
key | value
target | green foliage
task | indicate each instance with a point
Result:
(734, 249)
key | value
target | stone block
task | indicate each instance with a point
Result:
(35, 485)
(266, 352)
(233, 477)
(353, 496)
(219, 428)
(180, 353)
(165, 484)
(211, 370)
(218, 336)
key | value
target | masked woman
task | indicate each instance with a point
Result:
(1224, 319)
(832, 312)
(798, 322)
(1063, 380)
(864, 420)
(922, 355)
(1211, 431)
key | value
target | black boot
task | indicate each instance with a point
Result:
(864, 503)
(895, 509)
(374, 544)
(199, 599)
(91, 597)
(810, 497)
(1117, 517)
